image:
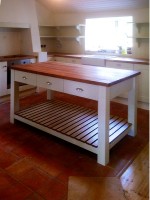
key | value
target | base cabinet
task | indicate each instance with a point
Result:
(120, 65)
(143, 82)
(3, 78)
(68, 60)
(143, 79)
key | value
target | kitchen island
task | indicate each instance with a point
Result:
(95, 131)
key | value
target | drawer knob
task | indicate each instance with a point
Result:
(79, 89)
(49, 83)
(24, 77)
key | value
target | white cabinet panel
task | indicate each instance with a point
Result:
(25, 77)
(3, 78)
(68, 60)
(50, 83)
(59, 59)
(143, 82)
(119, 65)
(73, 60)
(81, 89)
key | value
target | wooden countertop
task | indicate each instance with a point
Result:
(77, 72)
(109, 58)
(15, 57)
(129, 60)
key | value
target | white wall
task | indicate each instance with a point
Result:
(22, 11)
(45, 17)
(139, 15)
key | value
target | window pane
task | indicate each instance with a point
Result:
(108, 34)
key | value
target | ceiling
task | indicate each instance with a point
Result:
(68, 6)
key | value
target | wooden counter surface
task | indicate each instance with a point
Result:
(110, 58)
(77, 72)
(15, 57)
(130, 60)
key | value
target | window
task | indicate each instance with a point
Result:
(109, 35)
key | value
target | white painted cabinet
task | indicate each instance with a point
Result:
(25, 77)
(3, 78)
(59, 59)
(81, 89)
(51, 83)
(33, 60)
(68, 60)
(143, 82)
(120, 65)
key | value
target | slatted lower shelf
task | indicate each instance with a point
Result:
(73, 121)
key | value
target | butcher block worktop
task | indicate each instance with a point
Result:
(110, 58)
(16, 57)
(77, 72)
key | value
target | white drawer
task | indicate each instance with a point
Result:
(81, 89)
(119, 65)
(50, 83)
(25, 77)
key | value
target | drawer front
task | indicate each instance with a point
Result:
(50, 83)
(141, 67)
(119, 65)
(25, 77)
(81, 89)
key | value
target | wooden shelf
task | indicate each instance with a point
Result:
(60, 33)
(73, 123)
(14, 25)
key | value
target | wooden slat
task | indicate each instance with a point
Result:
(74, 121)
(52, 111)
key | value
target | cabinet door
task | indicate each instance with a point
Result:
(3, 78)
(143, 82)
(33, 60)
(120, 65)
(73, 60)
(59, 59)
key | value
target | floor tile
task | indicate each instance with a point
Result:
(7, 159)
(34, 196)
(20, 168)
(5, 180)
(48, 187)
(15, 192)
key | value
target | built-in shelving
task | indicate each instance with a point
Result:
(140, 31)
(62, 33)
(14, 25)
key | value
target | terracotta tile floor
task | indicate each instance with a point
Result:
(36, 166)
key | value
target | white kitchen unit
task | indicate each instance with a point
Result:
(120, 65)
(96, 60)
(96, 131)
(3, 79)
(50, 58)
(67, 59)
(32, 60)
(143, 82)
